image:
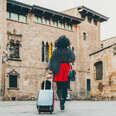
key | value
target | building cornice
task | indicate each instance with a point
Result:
(18, 7)
(88, 12)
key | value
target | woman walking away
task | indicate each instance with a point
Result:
(59, 65)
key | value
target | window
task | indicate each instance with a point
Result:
(88, 84)
(47, 21)
(8, 15)
(95, 22)
(50, 50)
(70, 27)
(99, 70)
(55, 23)
(36, 19)
(89, 19)
(84, 36)
(14, 50)
(61, 25)
(114, 50)
(22, 18)
(40, 19)
(67, 26)
(12, 81)
(14, 16)
(43, 51)
(47, 51)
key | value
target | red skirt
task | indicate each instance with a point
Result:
(63, 72)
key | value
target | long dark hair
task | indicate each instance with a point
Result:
(62, 42)
(61, 52)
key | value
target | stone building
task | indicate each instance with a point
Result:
(103, 71)
(27, 35)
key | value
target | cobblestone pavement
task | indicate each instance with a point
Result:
(72, 108)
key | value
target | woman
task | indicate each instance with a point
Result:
(59, 64)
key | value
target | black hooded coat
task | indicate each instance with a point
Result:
(60, 55)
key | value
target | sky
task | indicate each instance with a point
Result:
(105, 7)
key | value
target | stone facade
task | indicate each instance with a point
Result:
(108, 42)
(28, 67)
(105, 88)
(91, 44)
(3, 41)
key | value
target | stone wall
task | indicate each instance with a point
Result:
(2, 43)
(108, 42)
(31, 68)
(85, 47)
(109, 75)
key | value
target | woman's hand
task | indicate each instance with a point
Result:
(49, 75)
(49, 72)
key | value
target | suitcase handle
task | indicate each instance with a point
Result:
(51, 80)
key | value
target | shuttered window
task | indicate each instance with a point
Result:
(47, 51)
(84, 36)
(99, 70)
(88, 84)
(43, 51)
(12, 81)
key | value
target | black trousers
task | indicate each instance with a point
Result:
(62, 91)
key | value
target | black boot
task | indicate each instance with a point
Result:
(62, 104)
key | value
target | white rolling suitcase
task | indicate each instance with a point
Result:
(45, 102)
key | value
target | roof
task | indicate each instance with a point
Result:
(109, 39)
(56, 13)
(19, 7)
(92, 13)
(102, 49)
(14, 2)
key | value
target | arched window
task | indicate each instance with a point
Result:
(50, 50)
(84, 36)
(99, 70)
(88, 85)
(43, 51)
(47, 51)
